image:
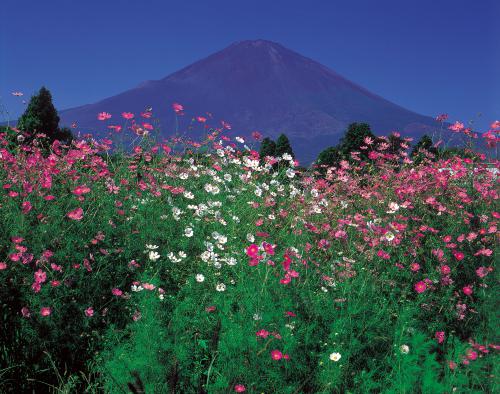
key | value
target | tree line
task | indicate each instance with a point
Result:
(41, 116)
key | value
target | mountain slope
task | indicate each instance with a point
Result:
(261, 85)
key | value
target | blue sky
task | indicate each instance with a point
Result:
(428, 56)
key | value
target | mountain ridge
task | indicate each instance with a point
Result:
(262, 85)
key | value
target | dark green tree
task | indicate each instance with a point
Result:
(41, 117)
(422, 149)
(283, 146)
(267, 148)
(330, 157)
(354, 139)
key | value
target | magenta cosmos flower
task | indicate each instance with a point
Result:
(76, 214)
(276, 355)
(239, 388)
(45, 311)
(420, 287)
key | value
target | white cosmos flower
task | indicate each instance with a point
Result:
(220, 287)
(240, 140)
(153, 256)
(290, 173)
(188, 232)
(152, 247)
(335, 356)
(200, 278)
(405, 349)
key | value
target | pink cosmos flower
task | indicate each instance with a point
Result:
(456, 127)
(40, 276)
(268, 248)
(117, 292)
(287, 261)
(210, 308)
(76, 214)
(103, 116)
(262, 333)
(256, 135)
(45, 311)
(252, 250)
(239, 388)
(482, 272)
(25, 312)
(148, 286)
(439, 336)
(415, 267)
(89, 312)
(276, 355)
(127, 115)
(3, 265)
(26, 207)
(442, 117)
(178, 108)
(420, 287)
(458, 255)
(445, 270)
(383, 255)
(467, 290)
(82, 189)
(471, 354)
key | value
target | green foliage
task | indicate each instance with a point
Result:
(341, 313)
(330, 157)
(354, 138)
(267, 148)
(424, 149)
(41, 117)
(283, 146)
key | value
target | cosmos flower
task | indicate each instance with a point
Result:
(178, 108)
(200, 278)
(45, 311)
(276, 355)
(420, 287)
(76, 214)
(127, 115)
(103, 116)
(153, 256)
(335, 356)
(404, 349)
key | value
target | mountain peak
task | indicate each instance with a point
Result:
(262, 85)
(258, 43)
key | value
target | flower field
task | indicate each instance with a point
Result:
(200, 267)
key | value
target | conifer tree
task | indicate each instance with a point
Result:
(267, 148)
(41, 117)
(330, 157)
(354, 138)
(283, 146)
